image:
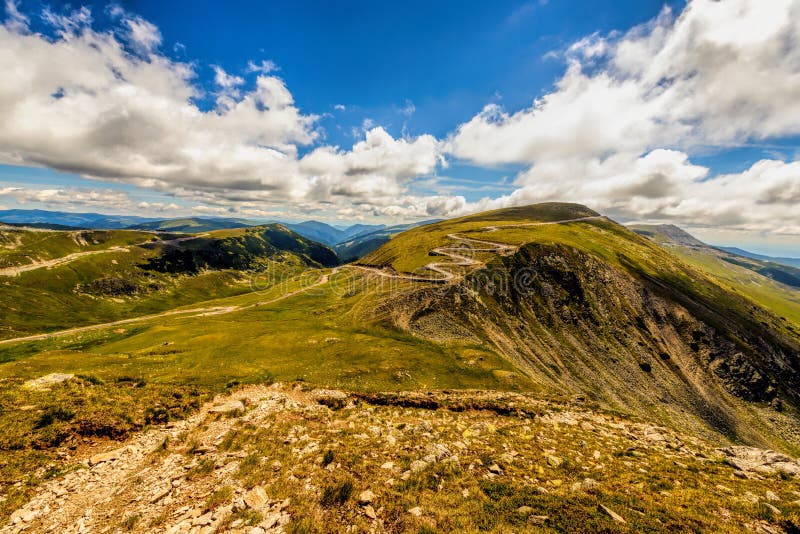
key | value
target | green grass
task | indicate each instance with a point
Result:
(21, 247)
(782, 300)
(330, 346)
(118, 285)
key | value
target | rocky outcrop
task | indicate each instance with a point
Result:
(286, 461)
(645, 342)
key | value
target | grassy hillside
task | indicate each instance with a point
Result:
(773, 286)
(21, 246)
(241, 249)
(143, 278)
(585, 311)
(191, 225)
(409, 250)
(592, 308)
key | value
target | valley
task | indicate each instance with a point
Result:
(553, 309)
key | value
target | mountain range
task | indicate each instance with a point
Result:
(625, 371)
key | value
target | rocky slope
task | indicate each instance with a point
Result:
(598, 311)
(285, 459)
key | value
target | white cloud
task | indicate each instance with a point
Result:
(16, 20)
(87, 102)
(264, 66)
(225, 80)
(67, 196)
(408, 109)
(144, 36)
(616, 129)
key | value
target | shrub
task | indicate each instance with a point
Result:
(337, 494)
(53, 414)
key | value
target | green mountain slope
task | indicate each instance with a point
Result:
(23, 246)
(772, 285)
(191, 225)
(57, 280)
(589, 307)
(552, 299)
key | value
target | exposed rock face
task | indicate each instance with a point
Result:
(44, 382)
(196, 475)
(228, 407)
(577, 324)
(750, 459)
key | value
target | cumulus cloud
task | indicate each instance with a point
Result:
(616, 129)
(114, 108)
(68, 196)
(721, 72)
(264, 66)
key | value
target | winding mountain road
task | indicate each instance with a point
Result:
(457, 254)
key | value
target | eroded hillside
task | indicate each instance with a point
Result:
(588, 307)
(289, 459)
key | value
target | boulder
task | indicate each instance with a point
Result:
(44, 382)
(256, 498)
(228, 407)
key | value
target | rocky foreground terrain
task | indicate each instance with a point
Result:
(284, 458)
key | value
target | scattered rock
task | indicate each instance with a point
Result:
(752, 459)
(270, 520)
(369, 511)
(44, 382)
(366, 497)
(418, 465)
(438, 451)
(525, 510)
(330, 398)
(228, 407)
(612, 514)
(416, 511)
(256, 498)
(772, 508)
(554, 461)
(388, 465)
(104, 457)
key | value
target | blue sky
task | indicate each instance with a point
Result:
(377, 111)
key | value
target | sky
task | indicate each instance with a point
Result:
(682, 112)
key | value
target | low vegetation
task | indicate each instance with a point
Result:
(602, 330)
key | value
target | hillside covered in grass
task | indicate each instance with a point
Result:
(589, 307)
(552, 301)
(55, 280)
(770, 284)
